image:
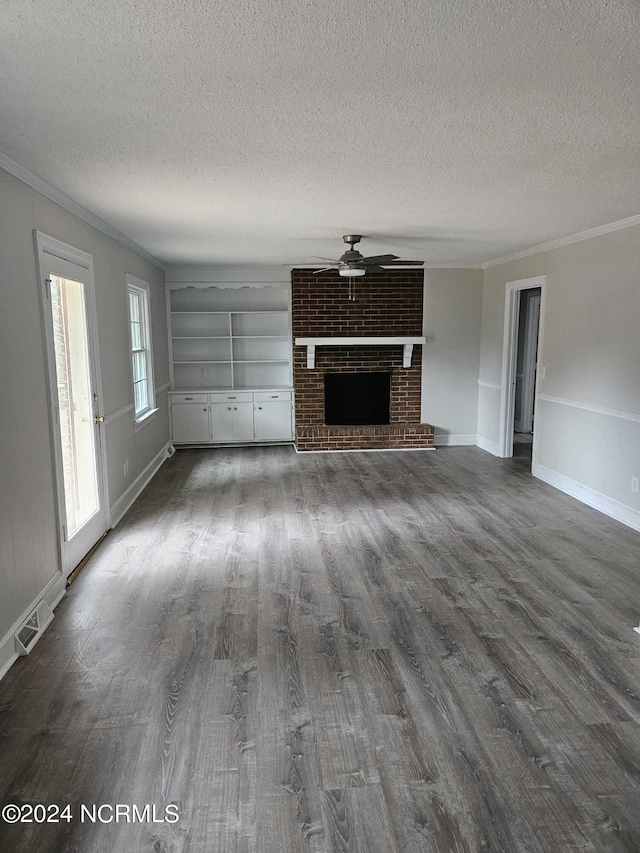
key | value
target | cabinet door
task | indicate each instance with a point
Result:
(190, 423)
(243, 421)
(222, 422)
(273, 421)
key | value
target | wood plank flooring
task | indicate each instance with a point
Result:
(353, 653)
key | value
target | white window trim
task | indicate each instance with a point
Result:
(139, 285)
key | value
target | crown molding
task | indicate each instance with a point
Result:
(40, 185)
(565, 241)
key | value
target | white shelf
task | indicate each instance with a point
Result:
(261, 388)
(370, 341)
(212, 389)
(260, 337)
(200, 361)
(407, 343)
(261, 361)
(200, 337)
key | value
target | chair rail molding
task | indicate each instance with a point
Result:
(590, 407)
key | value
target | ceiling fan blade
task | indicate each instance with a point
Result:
(379, 259)
(331, 260)
(324, 269)
(401, 263)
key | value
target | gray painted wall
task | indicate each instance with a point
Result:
(452, 315)
(28, 548)
(591, 356)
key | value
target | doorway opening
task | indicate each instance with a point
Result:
(521, 372)
(526, 366)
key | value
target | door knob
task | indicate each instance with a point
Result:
(99, 419)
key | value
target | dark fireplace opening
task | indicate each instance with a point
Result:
(356, 399)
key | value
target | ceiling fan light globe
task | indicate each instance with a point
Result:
(351, 272)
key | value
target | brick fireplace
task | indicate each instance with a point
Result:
(387, 303)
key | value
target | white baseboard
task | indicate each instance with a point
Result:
(489, 446)
(445, 439)
(52, 593)
(613, 508)
(118, 509)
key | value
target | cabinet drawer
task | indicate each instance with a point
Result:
(264, 396)
(233, 396)
(189, 398)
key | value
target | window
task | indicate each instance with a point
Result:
(141, 352)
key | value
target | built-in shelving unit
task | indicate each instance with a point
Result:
(230, 364)
(219, 345)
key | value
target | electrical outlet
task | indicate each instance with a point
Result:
(634, 484)
(126, 468)
(204, 371)
(544, 373)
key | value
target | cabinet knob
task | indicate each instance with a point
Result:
(235, 408)
(260, 408)
(229, 408)
(204, 410)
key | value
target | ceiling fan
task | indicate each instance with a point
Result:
(352, 263)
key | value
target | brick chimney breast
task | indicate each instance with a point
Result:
(387, 303)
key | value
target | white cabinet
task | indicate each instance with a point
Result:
(272, 419)
(190, 422)
(231, 421)
(243, 422)
(240, 417)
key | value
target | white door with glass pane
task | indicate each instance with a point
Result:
(66, 276)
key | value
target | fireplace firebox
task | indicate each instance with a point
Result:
(356, 399)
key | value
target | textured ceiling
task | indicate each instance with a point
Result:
(260, 132)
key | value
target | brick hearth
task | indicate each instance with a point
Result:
(388, 303)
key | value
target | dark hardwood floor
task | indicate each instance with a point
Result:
(344, 652)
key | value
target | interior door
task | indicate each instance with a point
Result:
(77, 422)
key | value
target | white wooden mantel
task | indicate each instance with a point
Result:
(406, 343)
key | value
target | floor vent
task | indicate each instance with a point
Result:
(32, 628)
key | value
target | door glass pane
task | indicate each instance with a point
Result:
(74, 402)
